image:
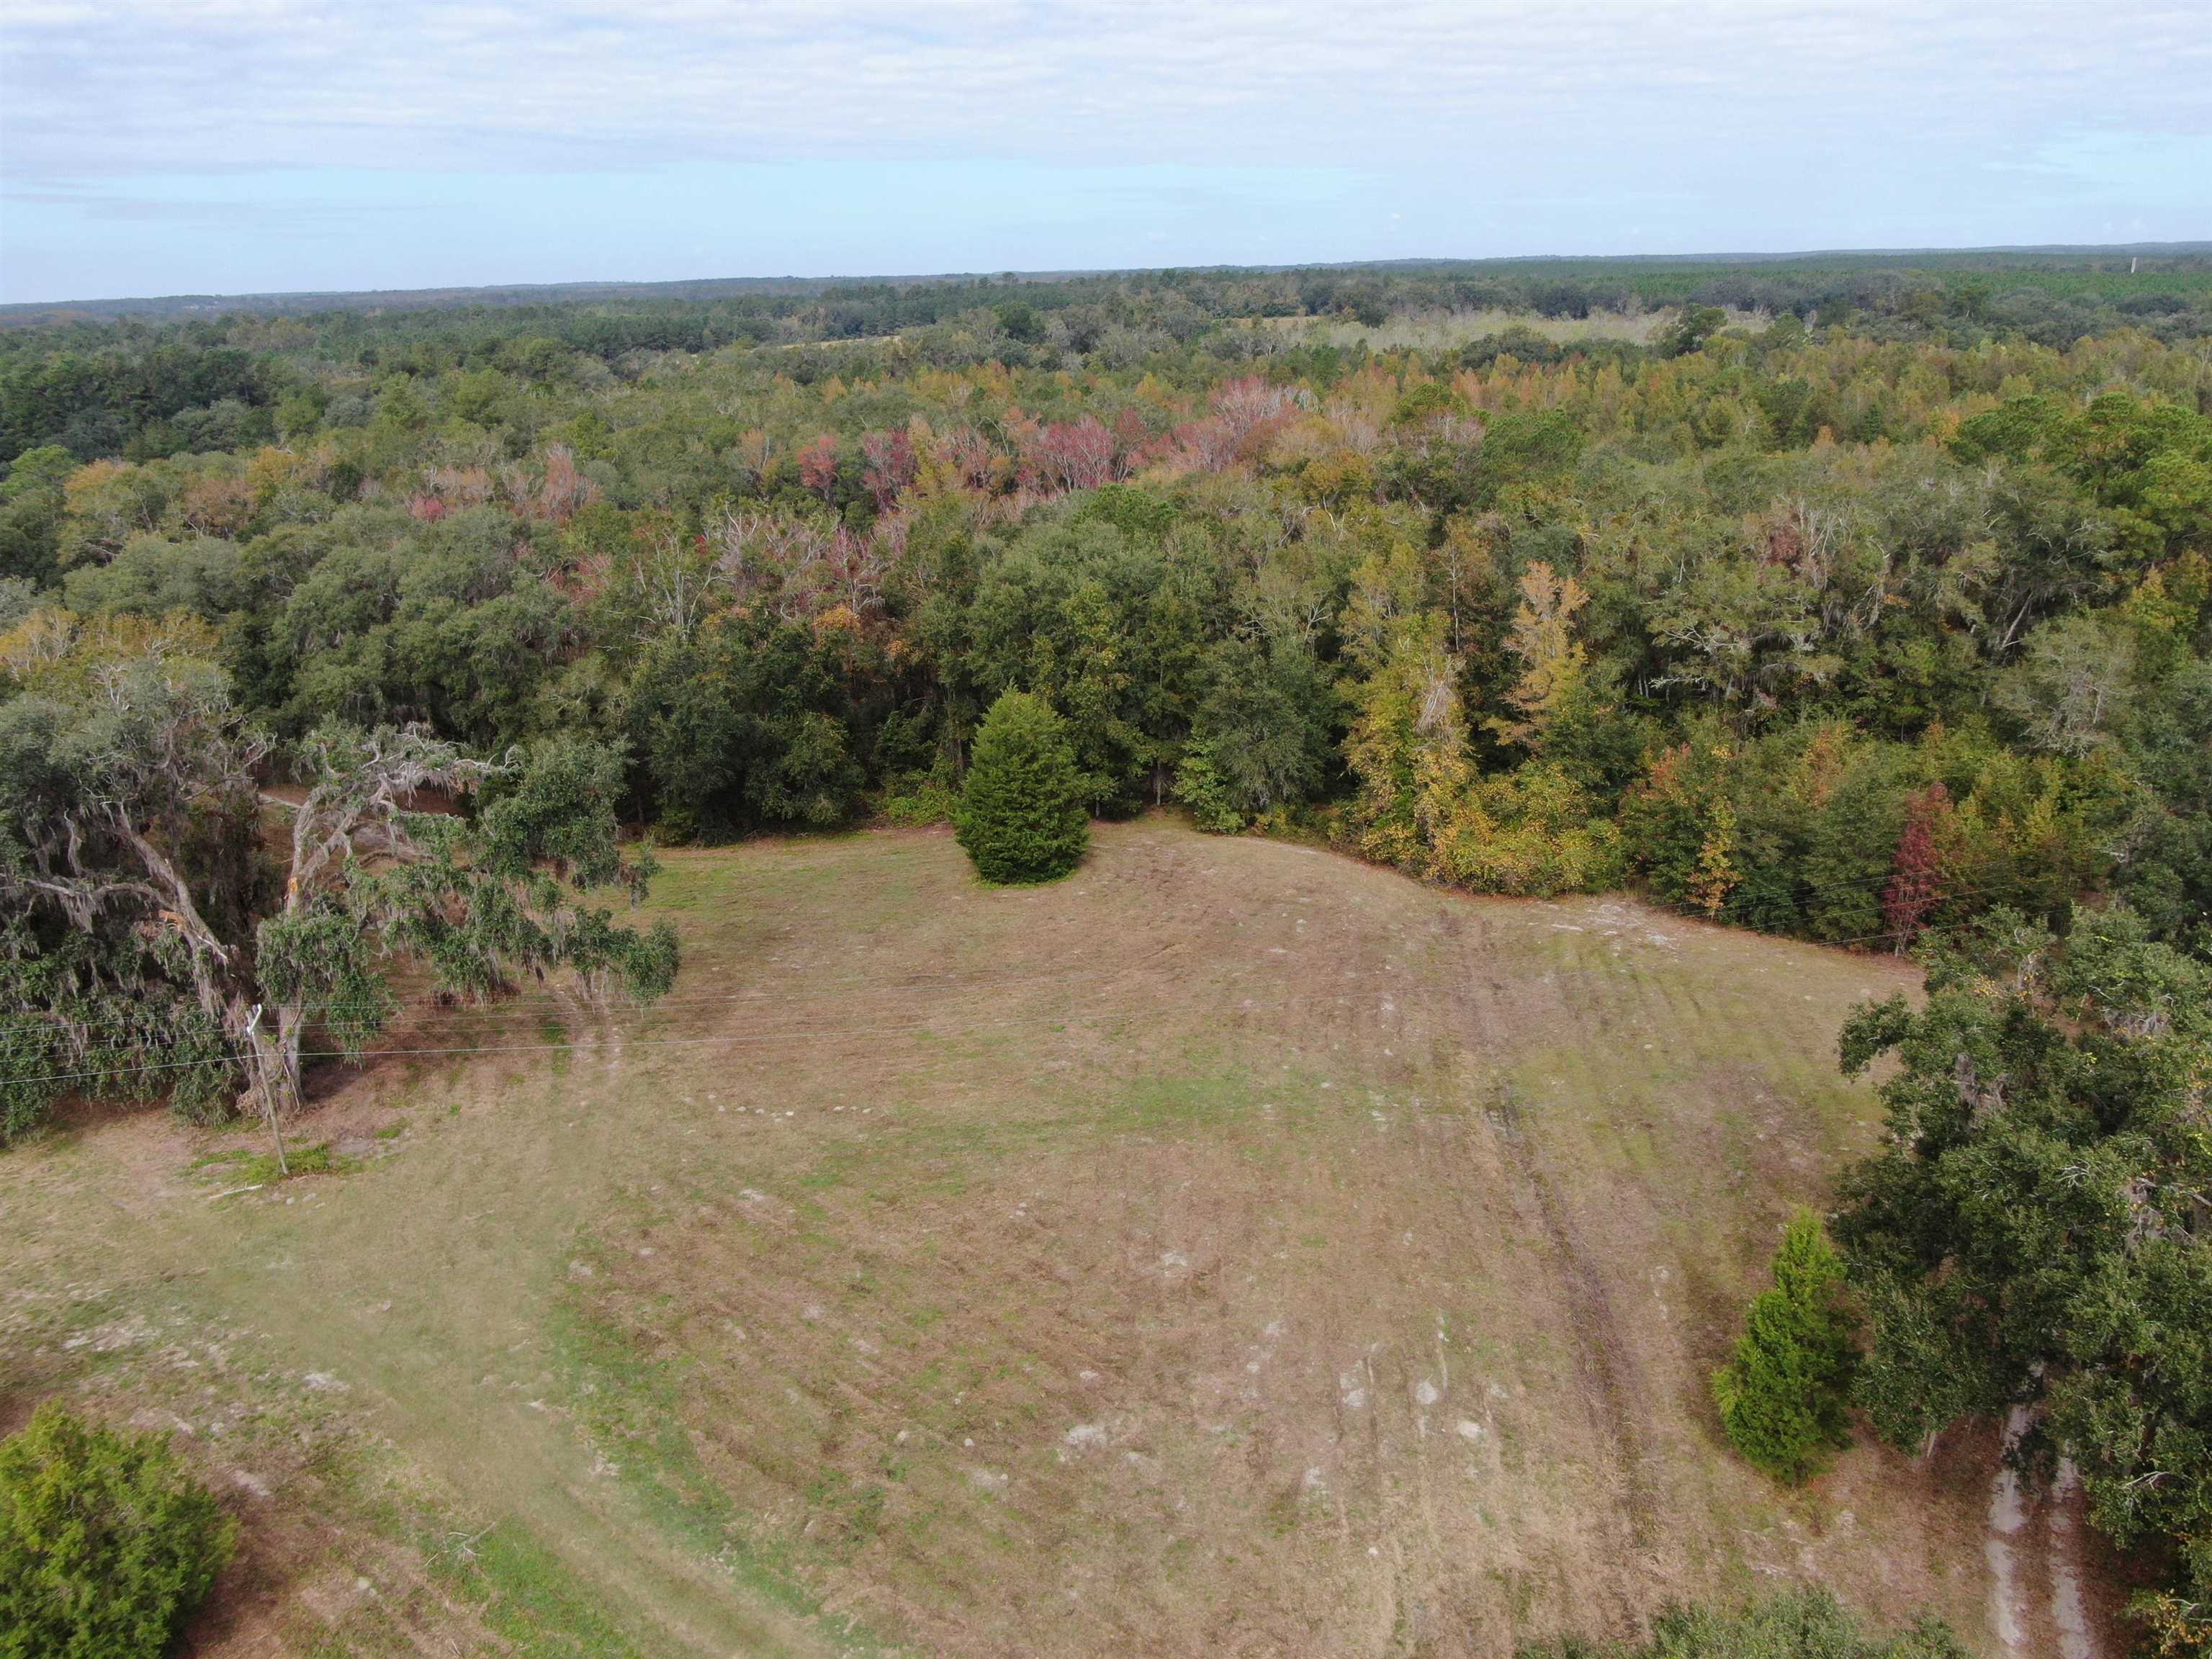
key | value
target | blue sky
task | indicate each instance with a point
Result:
(234, 146)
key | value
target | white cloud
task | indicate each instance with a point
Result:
(135, 86)
(161, 145)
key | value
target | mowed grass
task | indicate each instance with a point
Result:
(1230, 1249)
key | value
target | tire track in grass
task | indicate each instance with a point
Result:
(2021, 1622)
(471, 1283)
(1607, 1370)
(663, 1582)
(2007, 1518)
(2068, 1611)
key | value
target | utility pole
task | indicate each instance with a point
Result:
(267, 1100)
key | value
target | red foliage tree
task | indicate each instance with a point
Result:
(976, 464)
(564, 491)
(1070, 455)
(889, 466)
(1918, 881)
(817, 466)
(1249, 411)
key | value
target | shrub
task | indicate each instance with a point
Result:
(1532, 832)
(928, 801)
(1782, 1397)
(1199, 786)
(107, 1543)
(1021, 816)
(1794, 1625)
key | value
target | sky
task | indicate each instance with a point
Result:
(154, 147)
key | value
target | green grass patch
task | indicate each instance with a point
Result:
(526, 1596)
(243, 1164)
(629, 1403)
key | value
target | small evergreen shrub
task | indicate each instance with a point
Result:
(107, 1543)
(1022, 817)
(1782, 1398)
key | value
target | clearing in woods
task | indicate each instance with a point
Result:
(1230, 1249)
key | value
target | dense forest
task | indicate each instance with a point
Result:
(1869, 603)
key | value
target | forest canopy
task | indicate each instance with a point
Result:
(1864, 602)
(1847, 605)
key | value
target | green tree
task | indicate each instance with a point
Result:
(1200, 787)
(2071, 688)
(2169, 878)
(747, 723)
(1019, 320)
(106, 1542)
(1681, 820)
(1782, 1397)
(133, 883)
(1264, 725)
(1108, 629)
(1689, 332)
(32, 503)
(2032, 1233)
(1021, 816)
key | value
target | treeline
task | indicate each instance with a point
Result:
(155, 397)
(1817, 635)
(146, 384)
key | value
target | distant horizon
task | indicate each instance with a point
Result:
(157, 149)
(2155, 248)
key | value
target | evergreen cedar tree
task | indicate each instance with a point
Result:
(1022, 817)
(1782, 1397)
(106, 1542)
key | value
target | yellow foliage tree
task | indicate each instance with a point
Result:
(1552, 661)
(1408, 746)
(1716, 876)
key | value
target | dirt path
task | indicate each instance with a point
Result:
(2037, 1600)
(2010, 1612)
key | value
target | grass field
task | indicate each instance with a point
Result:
(1444, 331)
(1232, 1249)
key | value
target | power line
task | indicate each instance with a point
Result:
(519, 1048)
(787, 1033)
(533, 1003)
(506, 1015)
(527, 1003)
(534, 1007)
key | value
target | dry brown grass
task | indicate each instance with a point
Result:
(1444, 331)
(1232, 1249)
(1260, 1254)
